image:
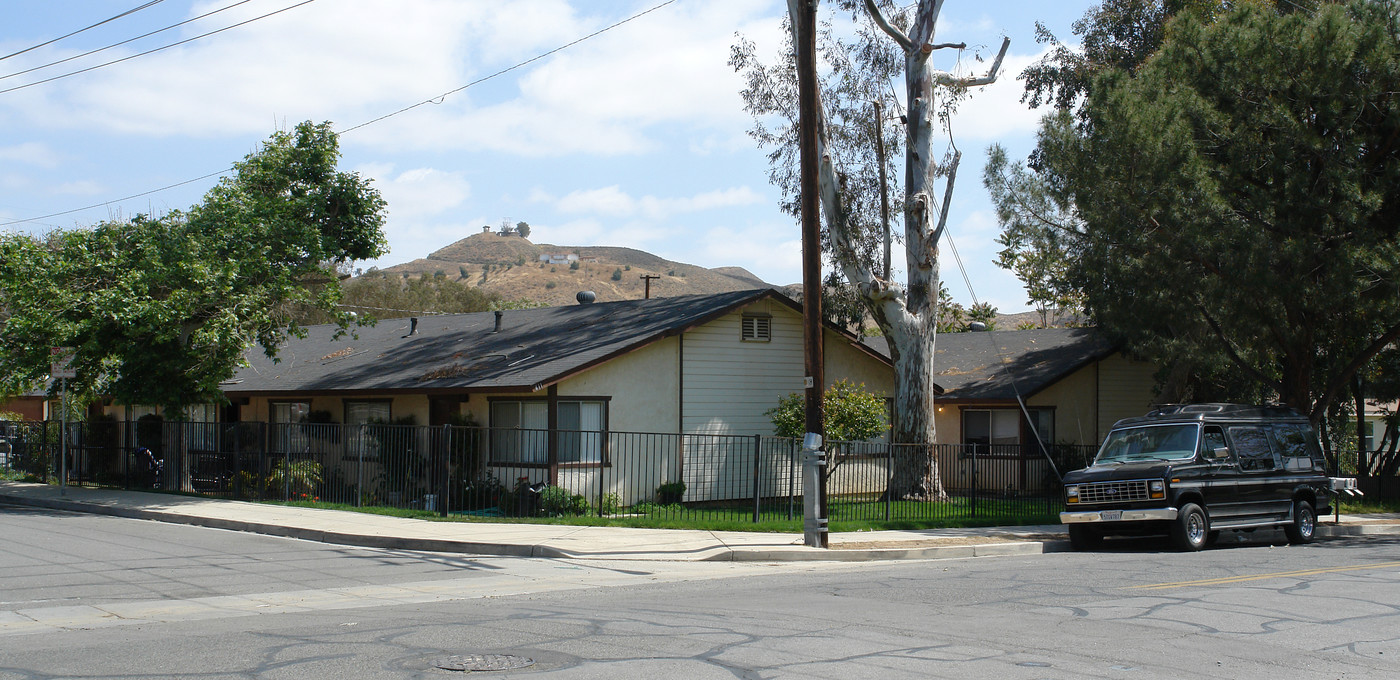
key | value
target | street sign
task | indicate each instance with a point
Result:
(61, 363)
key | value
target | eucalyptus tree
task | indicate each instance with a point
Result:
(885, 43)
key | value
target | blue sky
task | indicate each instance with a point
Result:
(631, 138)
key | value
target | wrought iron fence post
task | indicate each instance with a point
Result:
(973, 502)
(792, 476)
(237, 460)
(757, 447)
(602, 470)
(889, 475)
(445, 470)
(359, 465)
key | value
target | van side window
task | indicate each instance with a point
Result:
(1213, 438)
(1253, 448)
(1297, 447)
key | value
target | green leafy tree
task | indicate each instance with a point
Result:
(1238, 199)
(160, 310)
(849, 412)
(524, 230)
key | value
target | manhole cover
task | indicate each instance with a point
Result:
(483, 662)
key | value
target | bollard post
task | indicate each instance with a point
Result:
(814, 532)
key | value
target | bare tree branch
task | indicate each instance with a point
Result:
(991, 77)
(947, 199)
(902, 40)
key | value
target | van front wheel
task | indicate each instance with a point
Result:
(1191, 529)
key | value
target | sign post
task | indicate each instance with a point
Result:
(61, 367)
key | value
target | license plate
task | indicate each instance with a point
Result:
(1110, 515)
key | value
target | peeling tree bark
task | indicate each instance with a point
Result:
(908, 314)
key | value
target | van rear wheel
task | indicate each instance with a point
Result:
(1304, 523)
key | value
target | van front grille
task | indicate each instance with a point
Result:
(1113, 492)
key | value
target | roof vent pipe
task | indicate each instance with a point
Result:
(412, 326)
(499, 314)
(586, 297)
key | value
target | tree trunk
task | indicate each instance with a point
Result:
(915, 475)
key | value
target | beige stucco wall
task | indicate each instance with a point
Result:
(1076, 402)
(643, 385)
(1127, 389)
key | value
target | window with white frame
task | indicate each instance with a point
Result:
(756, 328)
(1002, 427)
(288, 411)
(520, 431)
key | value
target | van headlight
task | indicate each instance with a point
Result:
(1072, 493)
(1156, 489)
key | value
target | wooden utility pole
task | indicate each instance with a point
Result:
(647, 278)
(809, 119)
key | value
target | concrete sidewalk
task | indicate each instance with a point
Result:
(574, 542)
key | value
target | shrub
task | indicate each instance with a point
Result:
(550, 286)
(670, 493)
(849, 413)
(609, 504)
(556, 501)
(617, 275)
(573, 265)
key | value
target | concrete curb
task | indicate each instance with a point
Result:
(1041, 543)
(719, 554)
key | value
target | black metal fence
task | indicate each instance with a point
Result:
(516, 472)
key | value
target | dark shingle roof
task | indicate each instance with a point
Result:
(535, 347)
(968, 365)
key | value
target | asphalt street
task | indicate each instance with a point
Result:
(85, 596)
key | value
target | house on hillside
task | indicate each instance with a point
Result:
(701, 370)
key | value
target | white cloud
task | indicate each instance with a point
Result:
(30, 153)
(80, 188)
(995, 112)
(420, 192)
(611, 201)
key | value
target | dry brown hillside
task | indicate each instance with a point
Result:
(510, 266)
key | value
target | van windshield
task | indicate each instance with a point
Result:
(1155, 442)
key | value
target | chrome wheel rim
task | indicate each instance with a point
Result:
(1305, 523)
(1196, 528)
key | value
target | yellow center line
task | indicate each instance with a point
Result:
(1259, 577)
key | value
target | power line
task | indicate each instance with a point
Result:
(129, 40)
(61, 37)
(116, 200)
(438, 99)
(158, 49)
(356, 127)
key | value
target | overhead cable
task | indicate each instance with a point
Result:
(158, 49)
(129, 40)
(133, 10)
(364, 124)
